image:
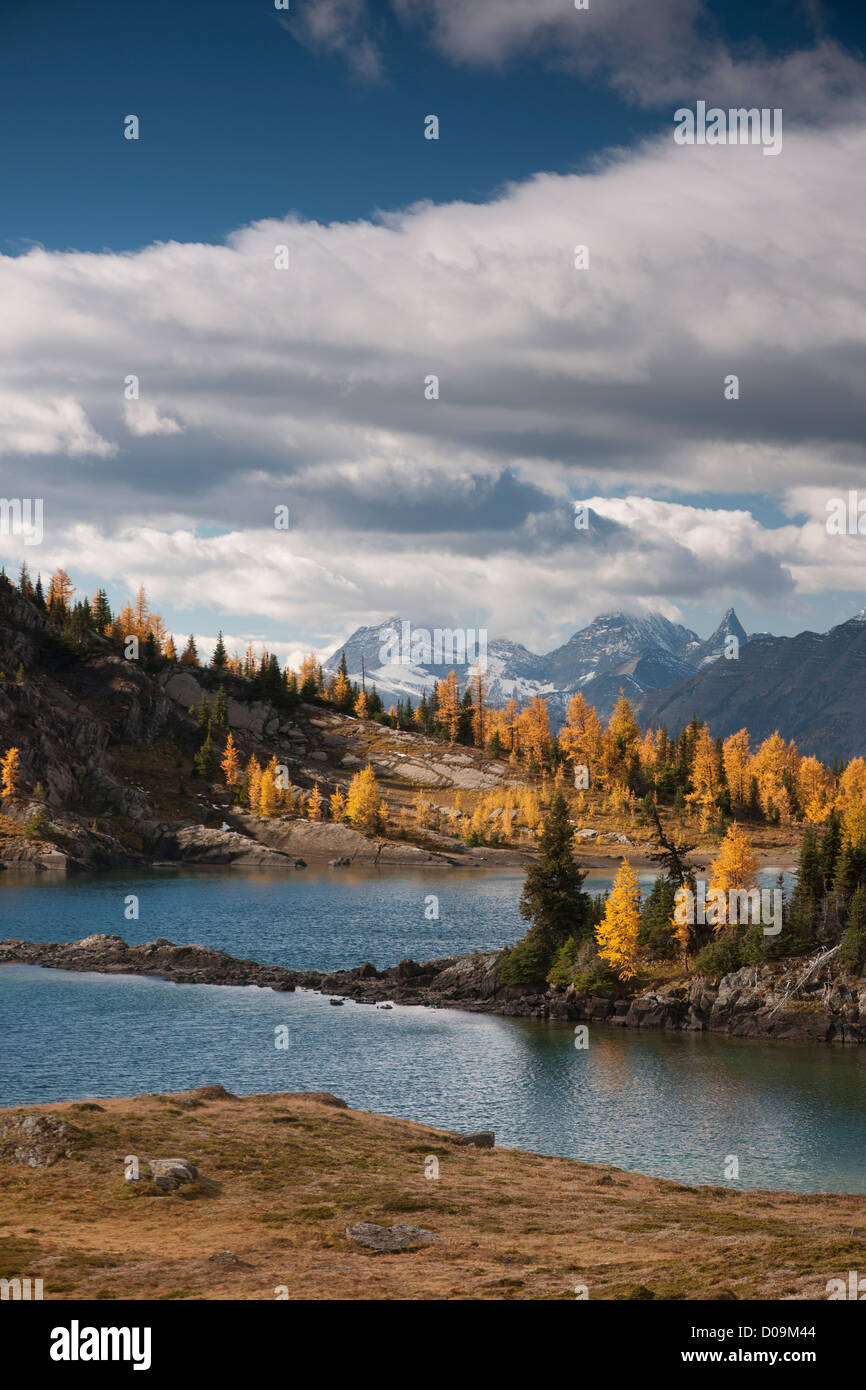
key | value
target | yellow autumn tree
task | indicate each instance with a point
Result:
(9, 772)
(621, 741)
(534, 731)
(229, 763)
(314, 805)
(338, 805)
(737, 759)
(364, 807)
(737, 865)
(705, 775)
(422, 812)
(582, 735)
(852, 801)
(267, 793)
(814, 790)
(772, 760)
(361, 705)
(253, 781)
(617, 932)
(448, 692)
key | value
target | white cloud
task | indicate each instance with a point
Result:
(143, 418)
(305, 387)
(34, 424)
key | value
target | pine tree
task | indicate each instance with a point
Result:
(170, 650)
(338, 805)
(190, 653)
(204, 762)
(219, 659)
(552, 899)
(617, 932)
(221, 709)
(25, 586)
(314, 805)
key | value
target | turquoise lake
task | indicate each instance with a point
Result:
(672, 1105)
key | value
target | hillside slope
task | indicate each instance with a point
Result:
(809, 687)
(281, 1178)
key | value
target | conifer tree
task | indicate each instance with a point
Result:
(737, 864)
(617, 932)
(221, 709)
(229, 763)
(267, 793)
(253, 782)
(314, 805)
(219, 659)
(9, 772)
(189, 656)
(205, 759)
(364, 807)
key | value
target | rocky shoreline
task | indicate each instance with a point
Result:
(776, 1001)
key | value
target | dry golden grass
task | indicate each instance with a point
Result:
(282, 1176)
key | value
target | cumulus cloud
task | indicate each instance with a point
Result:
(306, 388)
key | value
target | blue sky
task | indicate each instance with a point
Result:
(261, 126)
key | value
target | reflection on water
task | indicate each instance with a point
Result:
(673, 1105)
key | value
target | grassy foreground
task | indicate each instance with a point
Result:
(282, 1176)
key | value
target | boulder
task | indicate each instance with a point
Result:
(34, 1141)
(169, 1173)
(482, 1139)
(389, 1239)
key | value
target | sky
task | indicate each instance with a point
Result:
(281, 299)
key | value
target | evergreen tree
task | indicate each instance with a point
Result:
(219, 660)
(552, 901)
(221, 709)
(205, 760)
(466, 718)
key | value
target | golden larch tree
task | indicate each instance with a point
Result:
(737, 760)
(448, 692)
(617, 932)
(9, 772)
(363, 804)
(267, 793)
(253, 780)
(737, 865)
(229, 764)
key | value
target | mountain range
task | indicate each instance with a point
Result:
(810, 687)
(616, 650)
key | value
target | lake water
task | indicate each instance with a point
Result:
(671, 1105)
